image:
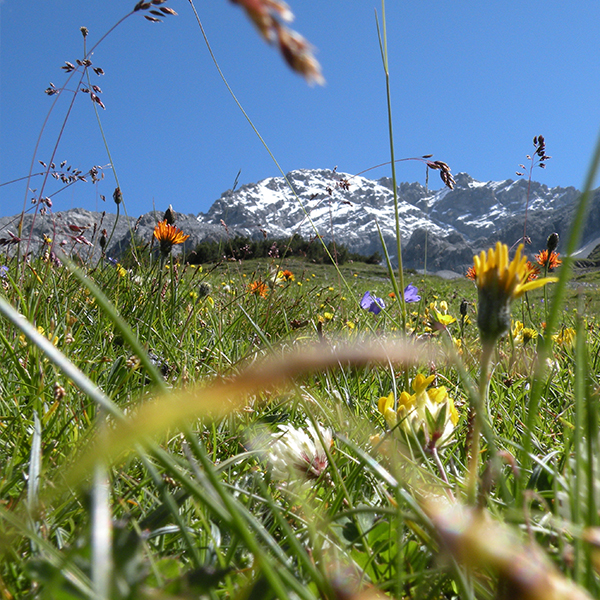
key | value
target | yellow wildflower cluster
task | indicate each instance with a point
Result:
(428, 414)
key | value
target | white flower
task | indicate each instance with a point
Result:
(296, 454)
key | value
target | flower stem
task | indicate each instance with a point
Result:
(480, 406)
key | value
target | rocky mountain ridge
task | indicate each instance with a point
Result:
(443, 228)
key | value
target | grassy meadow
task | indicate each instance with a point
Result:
(174, 475)
(259, 429)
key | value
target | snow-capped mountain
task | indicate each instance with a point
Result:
(453, 224)
(446, 226)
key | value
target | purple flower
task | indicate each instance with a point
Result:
(410, 293)
(372, 303)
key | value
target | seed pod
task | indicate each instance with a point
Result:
(117, 196)
(552, 242)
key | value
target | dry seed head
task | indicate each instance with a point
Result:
(59, 392)
(97, 100)
(168, 11)
(84, 31)
(297, 52)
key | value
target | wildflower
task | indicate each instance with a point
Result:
(565, 337)
(534, 271)
(372, 303)
(499, 282)
(283, 277)
(121, 270)
(328, 315)
(386, 408)
(440, 319)
(258, 288)
(547, 259)
(470, 274)
(3, 271)
(410, 293)
(168, 236)
(428, 414)
(296, 454)
(522, 335)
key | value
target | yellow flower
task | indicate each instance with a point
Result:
(328, 316)
(386, 408)
(499, 282)
(283, 276)
(420, 383)
(566, 336)
(168, 236)
(522, 335)
(428, 415)
(445, 320)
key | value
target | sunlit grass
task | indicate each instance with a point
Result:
(252, 429)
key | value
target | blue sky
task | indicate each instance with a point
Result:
(472, 82)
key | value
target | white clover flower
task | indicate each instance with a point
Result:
(296, 454)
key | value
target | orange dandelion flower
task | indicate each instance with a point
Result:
(258, 288)
(470, 274)
(549, 259)
(168, 236)
(287, 275)
(534, 271)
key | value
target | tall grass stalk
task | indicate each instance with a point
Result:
(382, 35)
(555, 313)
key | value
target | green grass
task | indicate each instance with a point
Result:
(142, 414)
(182, 472)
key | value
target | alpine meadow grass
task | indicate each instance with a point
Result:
(249, 429)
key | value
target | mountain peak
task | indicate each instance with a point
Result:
(350, 209)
